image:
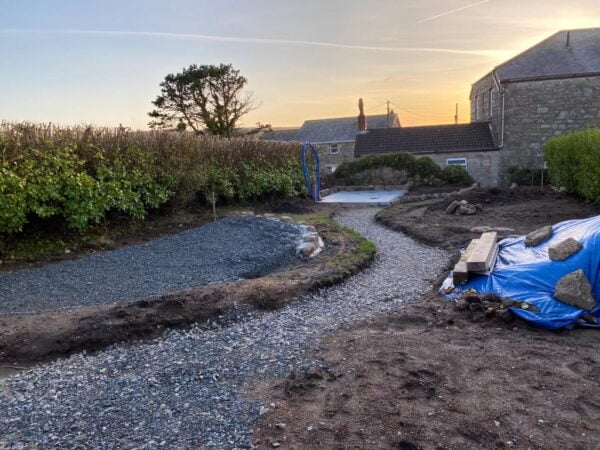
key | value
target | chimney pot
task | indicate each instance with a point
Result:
(362, 119)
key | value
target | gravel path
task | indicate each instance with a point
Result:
(187, 390)
(232, 248)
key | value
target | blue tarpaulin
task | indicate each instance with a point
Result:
(528, 274)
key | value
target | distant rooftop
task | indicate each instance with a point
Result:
(428, 139)
(342, 129)
(564, 54)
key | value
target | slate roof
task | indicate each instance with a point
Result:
(281, 135)
(343, 129)
(552, 58)
(428, 139)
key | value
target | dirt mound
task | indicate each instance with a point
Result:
(521, 210)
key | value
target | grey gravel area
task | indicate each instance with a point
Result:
(188, 389)
(232, 248)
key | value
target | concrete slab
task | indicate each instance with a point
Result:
(366, 197)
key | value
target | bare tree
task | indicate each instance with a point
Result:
(207, 99)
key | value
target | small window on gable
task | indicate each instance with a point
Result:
(334, 149)
(462, 162)
(477, 107)
(491, 103)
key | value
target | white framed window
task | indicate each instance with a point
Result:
(331, 168)
(462, 162)
(477, 107)
(334, 149)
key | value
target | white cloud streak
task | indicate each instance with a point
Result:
(250, 40)
(447, 13)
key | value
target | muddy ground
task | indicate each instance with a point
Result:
(432, 377)
(435, 377)
(523, 210)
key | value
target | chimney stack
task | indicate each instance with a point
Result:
(362, 119)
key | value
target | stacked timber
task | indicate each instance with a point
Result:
(479, 257)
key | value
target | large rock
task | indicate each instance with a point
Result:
(574, 289)
(538, 236)
(564, 249)
(452, 207)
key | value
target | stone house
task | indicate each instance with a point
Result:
(335, 138)
(550, 89)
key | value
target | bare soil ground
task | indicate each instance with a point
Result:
(435, 377)
(523, 210)
(26, 339)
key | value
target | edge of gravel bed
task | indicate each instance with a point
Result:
(28, 339)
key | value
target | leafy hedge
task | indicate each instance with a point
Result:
(421, 170)
(574, 163)
(79, 175)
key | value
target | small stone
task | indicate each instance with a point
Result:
(588, 318)
(280, 426)
(514, 186)
(306, 249)
(452, 207)
(462, 305)
(467, 210)
(574, 289)
(538, 236)
(311, 237)
(476, 307)
(487, 229)
(564, 249)
(276, 444)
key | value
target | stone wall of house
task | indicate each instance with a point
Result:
(484, 167)
(326, 159)
(536, 111)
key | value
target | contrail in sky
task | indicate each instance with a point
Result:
(249, 40)
(447, 13)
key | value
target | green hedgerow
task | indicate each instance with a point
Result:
(574, 163)
(78, 175)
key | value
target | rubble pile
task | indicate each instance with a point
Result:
(463, 208)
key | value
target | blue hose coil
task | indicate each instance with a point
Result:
(314, 190)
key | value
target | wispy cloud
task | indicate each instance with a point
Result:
(447, 13)
(251, 40)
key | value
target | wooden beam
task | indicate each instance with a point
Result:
(460, 274)
(484, 254)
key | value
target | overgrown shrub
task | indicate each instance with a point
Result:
(421, 170)
(525, 176)
(574, 163)
(456, 175)
(78, 175)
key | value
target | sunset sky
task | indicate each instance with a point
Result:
(100, 62)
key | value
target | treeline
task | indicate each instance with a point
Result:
(78, 175)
